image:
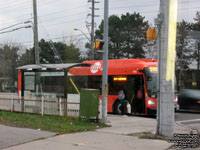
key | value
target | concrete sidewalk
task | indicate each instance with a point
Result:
(10, 136)
(112, 138)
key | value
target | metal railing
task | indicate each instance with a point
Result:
(41, 105)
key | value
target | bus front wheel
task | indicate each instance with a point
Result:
(117, 107)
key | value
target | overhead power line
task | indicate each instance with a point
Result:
(15, 29)
(15, 25)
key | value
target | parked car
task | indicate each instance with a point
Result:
(189, 99)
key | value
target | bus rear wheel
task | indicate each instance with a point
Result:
(117, 107)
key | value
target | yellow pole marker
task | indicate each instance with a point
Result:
(171, 53)
(106, 89)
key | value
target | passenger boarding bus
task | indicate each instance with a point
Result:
(129, 74)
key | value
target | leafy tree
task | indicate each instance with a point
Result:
(184, 53)
(8, 64)
(27, 57)
(196, 25)
(68, 53)
(46, 51)
(88, 52)
(187, 53)
(127, 35)
(8, 61)
(72, 54)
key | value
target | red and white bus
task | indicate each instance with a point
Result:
(129, 74)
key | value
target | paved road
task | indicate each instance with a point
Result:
(184, 115)
(189, 119)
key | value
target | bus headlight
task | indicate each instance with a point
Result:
(150, 102)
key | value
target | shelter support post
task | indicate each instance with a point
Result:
(65, 90)
(22, 91)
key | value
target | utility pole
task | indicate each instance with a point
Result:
(158, 22)
(92, 26)
(37, 58)
(92, 31)
(105, 65)
(167, 49)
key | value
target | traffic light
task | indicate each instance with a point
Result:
(98, 45)
(151, 34)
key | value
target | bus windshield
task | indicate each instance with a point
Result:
(151, 81)
(151, 75)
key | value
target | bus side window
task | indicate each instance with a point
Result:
(95, 82)
(112, 86)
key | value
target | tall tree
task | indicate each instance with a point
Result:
(196, 25)
(72, 54)
(46, 51)
(127, 35)
(68, 53)
(8, 61)
(184, 52)
(187, 53)
(27, 57)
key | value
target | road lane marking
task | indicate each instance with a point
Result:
(186, 121)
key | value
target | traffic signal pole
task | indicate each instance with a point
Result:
(167, 52)
(105, 65)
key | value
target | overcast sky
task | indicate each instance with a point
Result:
(58, 18)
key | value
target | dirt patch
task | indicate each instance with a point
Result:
(6, 122)
(148, 135)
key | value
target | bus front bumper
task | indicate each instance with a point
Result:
(152, 111)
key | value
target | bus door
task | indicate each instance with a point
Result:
(138, 98)
(131, 85)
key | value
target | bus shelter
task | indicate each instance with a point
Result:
(49, 80)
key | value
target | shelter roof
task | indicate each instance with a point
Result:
(51, 66)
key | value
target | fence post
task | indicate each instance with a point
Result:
(12, 104)
(42, 106)
(60, 106)
(23, 105)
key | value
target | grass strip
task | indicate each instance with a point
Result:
(58, 124)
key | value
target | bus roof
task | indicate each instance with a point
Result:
(115, 67)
